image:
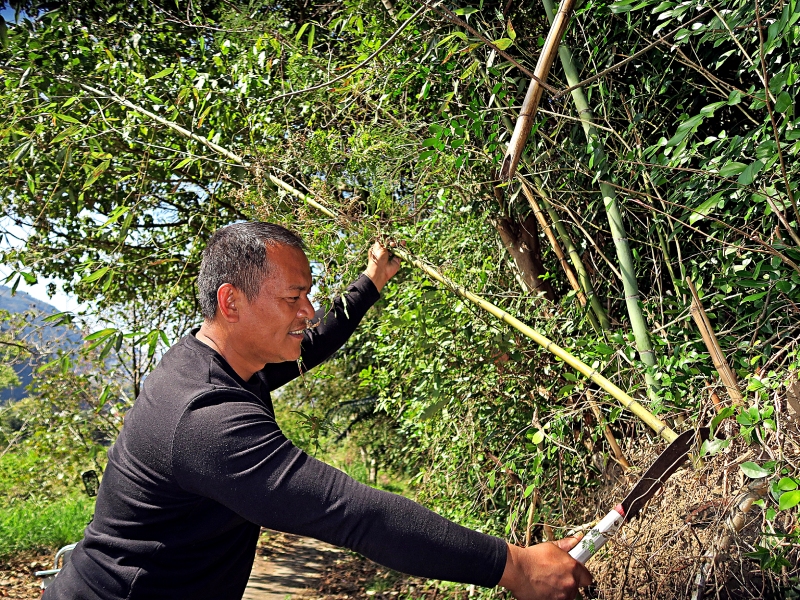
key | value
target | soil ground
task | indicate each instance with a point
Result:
(286, 567)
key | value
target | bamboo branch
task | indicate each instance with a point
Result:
(531, 103)
(624, 399)
(726, 374)
(360, 65)
(575, 257)
(612, 441)
(453, 18)
(531, 512)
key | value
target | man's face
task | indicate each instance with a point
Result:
(271, 326)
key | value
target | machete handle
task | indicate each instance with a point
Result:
(598, 535)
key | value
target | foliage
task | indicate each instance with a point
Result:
(37, 524)
(402, 136)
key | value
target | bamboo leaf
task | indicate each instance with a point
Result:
(95, 174)
(96, 275)
(161, 73)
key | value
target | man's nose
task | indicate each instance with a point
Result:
(306, 310)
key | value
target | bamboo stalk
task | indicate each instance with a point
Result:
(726, 374)
(620, 237)
(624, 399)
(531, 103)
(612, 441)
(562, 259)
(575, 257)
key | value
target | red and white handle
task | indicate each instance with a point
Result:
(598, 535)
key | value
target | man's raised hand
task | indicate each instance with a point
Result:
(382, 265)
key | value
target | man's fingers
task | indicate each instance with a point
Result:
(582, 576)
(568, 543)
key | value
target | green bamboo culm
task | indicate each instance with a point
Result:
(624, 256)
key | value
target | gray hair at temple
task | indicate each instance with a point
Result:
(237, 254)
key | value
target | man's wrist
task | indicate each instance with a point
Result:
(510, 576)
(378, 281)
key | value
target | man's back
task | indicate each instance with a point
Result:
(151, 537)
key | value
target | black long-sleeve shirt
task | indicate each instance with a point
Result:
(201, 464)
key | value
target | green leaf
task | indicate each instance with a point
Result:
(754, 297)
(65, 134)
(732, 168)
(789, 500)
(749, 174)
(102, 334)
(753, 471)
(66, 118)
(96, 275)
(538, 437)
(528, 491)
(705, 208)
(712, 447)
(787, 484)
(161, 73)
(723, 414)
(783, 103)
(95, 174)
(503, 43)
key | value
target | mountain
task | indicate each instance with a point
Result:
(39, 332)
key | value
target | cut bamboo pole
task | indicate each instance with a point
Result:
(726, 374)
(531, 103)
(612, 441)
(618, 234)
(624, 399)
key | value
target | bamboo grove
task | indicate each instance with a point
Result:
(648, 222)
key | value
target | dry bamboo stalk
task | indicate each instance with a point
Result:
(531, 512)
(624, 399)
(726, 374)
(612, 441)
(551, 236)
(529, 107)
(537, 211)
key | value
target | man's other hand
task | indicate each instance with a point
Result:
(382, 265)
(544, 571)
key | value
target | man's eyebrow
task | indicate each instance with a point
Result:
(299, 287)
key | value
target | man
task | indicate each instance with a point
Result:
(201, 464)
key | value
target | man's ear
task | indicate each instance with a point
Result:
(227, 299)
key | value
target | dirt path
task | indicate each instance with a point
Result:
(287, 566)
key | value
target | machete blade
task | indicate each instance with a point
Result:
(665, 465)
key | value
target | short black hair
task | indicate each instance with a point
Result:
(237, 254)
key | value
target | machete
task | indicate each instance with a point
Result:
(665, 465)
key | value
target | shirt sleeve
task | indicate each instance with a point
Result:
(335, 326)
(231, 450)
